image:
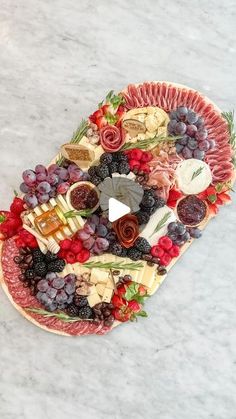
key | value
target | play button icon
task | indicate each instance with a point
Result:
(117, 209)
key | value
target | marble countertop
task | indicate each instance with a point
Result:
(58, 59)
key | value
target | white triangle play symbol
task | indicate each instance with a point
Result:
(117, 209)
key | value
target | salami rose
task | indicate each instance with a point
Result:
(112, 138)
(127, 230)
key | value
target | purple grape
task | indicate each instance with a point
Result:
(72, 167)
(180, 128)
(172, 227)
(191, 130)
(50, 276)
(43, 198)
(76, 175)
(195, 232)
(212, 144)
(51, 307)
(58, 283)
(187, 153)
(29, 177)
(181, 112)
(63, 188)
(173, 115)
(83, 235)
(40, 177)
(24, 188)
(53, 192)
(51, 292)
(40, 169)
(200, 122)
(52, 179)
(42, 285)
(62, 173)
(185, 237)
(102, 243)
(52, 168)
(70, 279)
(111, 237)
(43, 187)
(199, 154)
(94, 219)
(89, 243)
(192, 143)
(61, 297)
(96, 249)
(89, 228)
(204, 145)
(183, 141)
(70, 299)
(101, 230)
(180, 229)
(31, 200)
(201, 134)
(70, 288)
(171, 126)
(104, 221)
(191, 117)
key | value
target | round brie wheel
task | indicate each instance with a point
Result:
(193, 176)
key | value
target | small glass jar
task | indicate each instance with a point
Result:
(50, 222)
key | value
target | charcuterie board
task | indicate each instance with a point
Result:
(68, 265)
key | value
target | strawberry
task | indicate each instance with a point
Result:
(134, 306)
(174, 251)
(17, 206)
(70, 257)
(105, 109)
(174, 196)
(165, 242)
(121, 290)
(76, 247)
(65, 244)
(121, 315)
(96, 115)
(117, 301)
(136, 154)
(157, 251)
(83, 256)
(101, 122)
(165, 259)
(142, 290)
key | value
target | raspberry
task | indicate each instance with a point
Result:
(19, 242)
(136, 154)
(157, 252)
(76, 247)
(174, 251)
(146, 157)
(65, 244)
(61, 254)
(165, 259)
(134, 164)
(145, 168)
(165, 242)
(83, 256)
(70, 257)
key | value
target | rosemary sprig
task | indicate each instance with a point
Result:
(149, 142)
(61, 316)
(162, 222)
(114, 265)
(197, 173)
(81, 213)
(76, 138)
(229, 117)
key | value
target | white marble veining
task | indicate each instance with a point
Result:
(57, 60)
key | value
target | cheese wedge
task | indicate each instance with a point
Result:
(100, 289)
(107, 295)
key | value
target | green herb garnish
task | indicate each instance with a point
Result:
(81, 213)
(114, 265)
(61, 316)
(76, 138)
(114, 100)
(111, 119)
(229, 117)
(149, 142)
(161, 223)
(197, 173)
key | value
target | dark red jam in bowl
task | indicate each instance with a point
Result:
(191, 210)
(84, 197)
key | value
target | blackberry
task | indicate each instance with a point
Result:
(149, 192)
(80, 300)
(142, 217)
(106, 158)
(72, 310)
(85, 312)
(148, 211)
(29, 274)
(113, 167)
(49, 257)
(95, 180)
(142, 245)
(123, 253)
(148, 201)
(124, 168)
(56, 266)
(159, 202)
(120, 157)
(115, 249)
(103, 171)
(92, 171)
(134, 254)
(38, 256)
(40, 269)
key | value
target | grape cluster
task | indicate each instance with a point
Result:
(193, 142)
(178, 233)
(56, 293)
(109, 163)
(41, 184)
(95, 234)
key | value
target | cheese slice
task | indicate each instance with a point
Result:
(93, 299)
(98, 275)
(100, 289)
(148, 276)
(107, 295)
(160, 215)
